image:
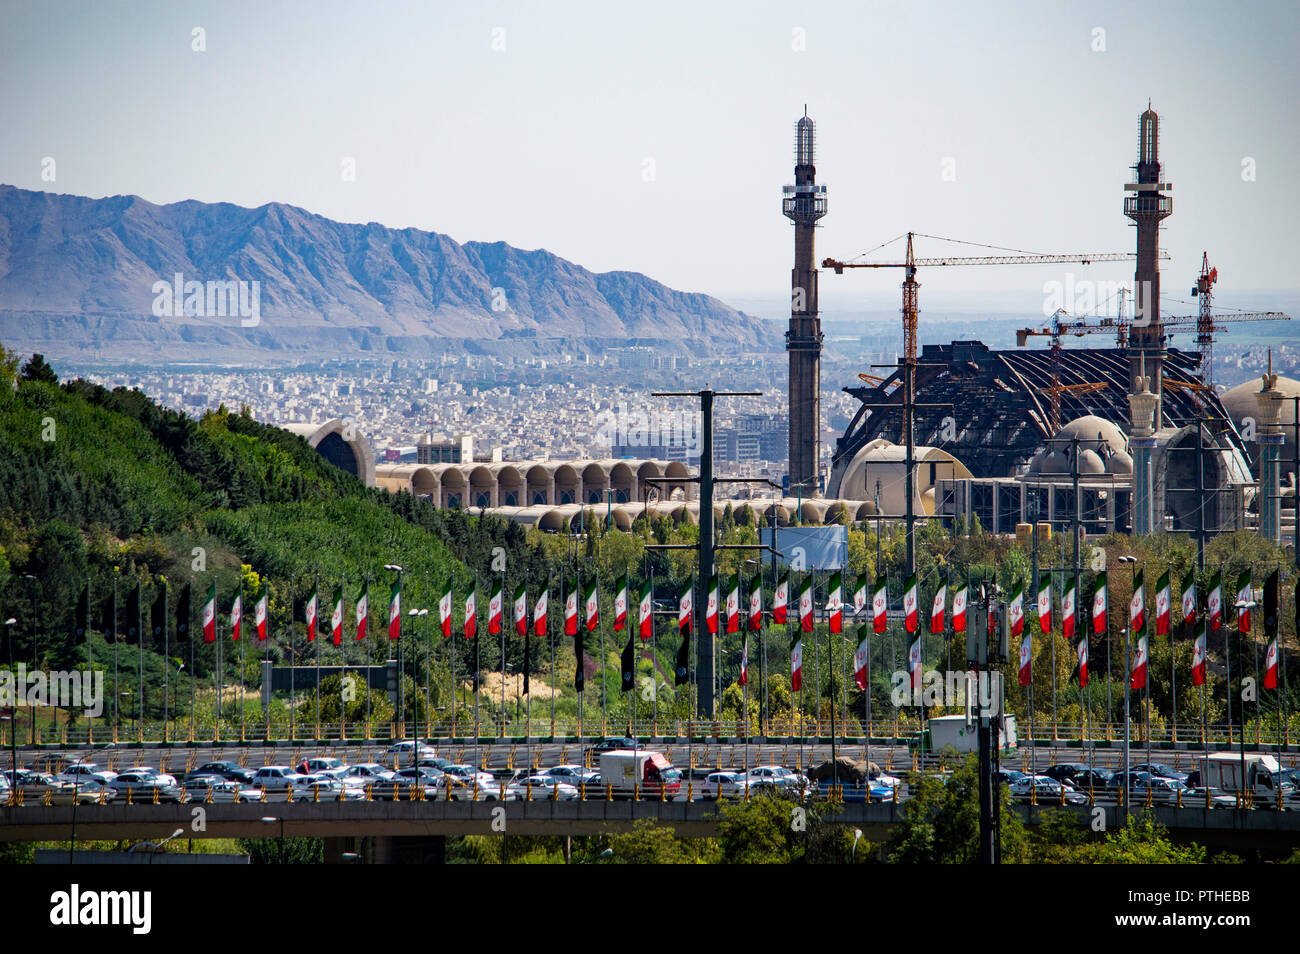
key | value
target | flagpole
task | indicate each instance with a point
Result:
(604, 713)
(478, 668)
(451, 641)
(166, 661)
(503, 652)
(116, 714)
(428, 657)
(266, 657)
(550, 635)
(189, 631)
(315, 588)
(139, 632)
(1173, 669)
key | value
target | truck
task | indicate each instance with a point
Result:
(952, 731)
(1222, 770)
(647, 773)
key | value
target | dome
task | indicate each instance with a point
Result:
(1240, 404)
(1090, 463)
(1120, 463)
(1094, 433)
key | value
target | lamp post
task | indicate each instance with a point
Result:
(415, 614)
(395, 568)
(1246, 605)
(10, 623)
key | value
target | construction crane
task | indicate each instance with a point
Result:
(1204, 332)
(1056, 389)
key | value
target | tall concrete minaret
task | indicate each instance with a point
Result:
(804, 203)
(1148, 202)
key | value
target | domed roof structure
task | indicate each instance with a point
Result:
(1240, 404)
(1101, 449)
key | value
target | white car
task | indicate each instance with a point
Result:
(163, 777)
(722, 785)
(87, 770)
(326, 788)
(277, 778)
(544, 787)
(367, 773)
(405, 748)
(222, 791)
(460, 782)
(765, 776)
(575, 775)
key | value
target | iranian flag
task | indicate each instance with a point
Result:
(1026, 656)
(1017, 613)
(336, 618)
(236, 616)
(861, 658)
(1214, 601)
(1099, 611)
(521, 610)
(1067, 607)
(1163, 600)
(395, 610)
(1083, 662)
(744, 664)
(1198, 655)
(959, 611)
(260, 612)
(645, 612)
(210, 615)
(796, 665)
(880, 606)
(733, 604)
(781, 599)
(1045, 603)
(756, 605)
(1270, 665)
(1137, 605)
(1271, 629)
(471, 613)
(914, 664)
(835, 602)
(496, 606)
(937, 606)
(363, 611)
(860, 596)
(311, 610)
(1243, 596)
(620, 603)
(1189, 598)
(806, 604)
(711, 605)
(444, 610)
(1139, 676)
(686, 605)
(539, 613)
(910, 604)
(571, 612)
(589, 603)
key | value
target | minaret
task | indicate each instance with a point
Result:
(1150, 200)
(1269, 437)
(1142, 441)
(804, 203)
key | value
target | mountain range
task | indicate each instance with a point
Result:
(84, 278)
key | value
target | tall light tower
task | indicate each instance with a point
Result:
(1149, 202)
(803, 204)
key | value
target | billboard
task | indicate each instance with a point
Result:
(810, 548)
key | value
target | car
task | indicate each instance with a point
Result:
(326, 788)
(149, 770)
(319, 764)
(201, 788)
(544, 787)
(366, 772)
(575, 775)
(435, 763)
(612, 744)
(142, 786)
(722, 785)
(859, 791)
(1065, 772)
(1045, 790)
(229, 771)
(405, 748)
(1093, 778)
(1158, 788)
(1008, 776)
(276, 778)
(1161, 770)
(1117, 780)
(777, 776)
(464, 782)
(86, 770)
(1195, 798)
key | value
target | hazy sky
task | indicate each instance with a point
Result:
(656, 136)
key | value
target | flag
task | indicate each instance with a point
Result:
(959, 610)
(1198, 655)
(1163, 600)
(1083, 662)
(471, 613)
(133, 614)
(444, 610)
(395, 610)
(1189, 598)
(81, 620)
(796, 663)
(645, 611)
(806, 604)
(1137, 604)
(528, 655)
(861, 658)
(236, 616)
(781, 599)
(539, 613)
(579, 659)
(1270, 665)
(937, 606)
(108, 613)
(744, 664)
(835, 602)
(209, 615)
(1099, 610)
(914, 663)
(755, 605)
(1067, 607)
(158, 615)
(363, 611)
(910, 604)
(1270, 629)
(260, 612)
(628, 660)
(183, 612)
(733, 604)
(686, 606)
(1026, 657)
(682, 667)
(310, 612)
(336, 618)
(1214, 601)
(1044, 606)
(711, 605)
(571, 611)
(591, 606)
(496, 606)
(1139, 677)
(1016, 611)
(880, 606)
(620, 602)
(521, 610)
(1243, 596)
(860, 596)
